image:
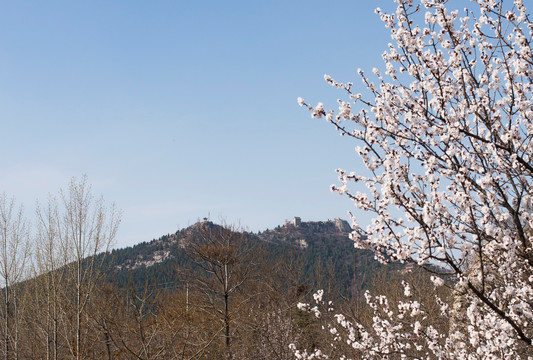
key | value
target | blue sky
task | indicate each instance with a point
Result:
(176, 110)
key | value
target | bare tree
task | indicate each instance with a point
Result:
(85, 228)
(49, 271)
(14, 253)
(226, 260)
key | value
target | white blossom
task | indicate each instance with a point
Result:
(445, 135)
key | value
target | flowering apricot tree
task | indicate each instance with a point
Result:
(445, 133)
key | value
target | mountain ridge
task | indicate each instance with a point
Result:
(322, 248)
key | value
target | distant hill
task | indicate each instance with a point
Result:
(322, 250)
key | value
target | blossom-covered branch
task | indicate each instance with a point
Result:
(445, 133)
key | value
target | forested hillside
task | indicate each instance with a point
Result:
(204, 292)
(324, 256)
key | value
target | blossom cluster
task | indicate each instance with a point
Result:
(445, 133)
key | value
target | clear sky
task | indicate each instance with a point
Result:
(178, 110)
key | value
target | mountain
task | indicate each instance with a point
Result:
(204, 292)
(322, 251)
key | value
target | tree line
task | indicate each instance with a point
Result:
(229, 297)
